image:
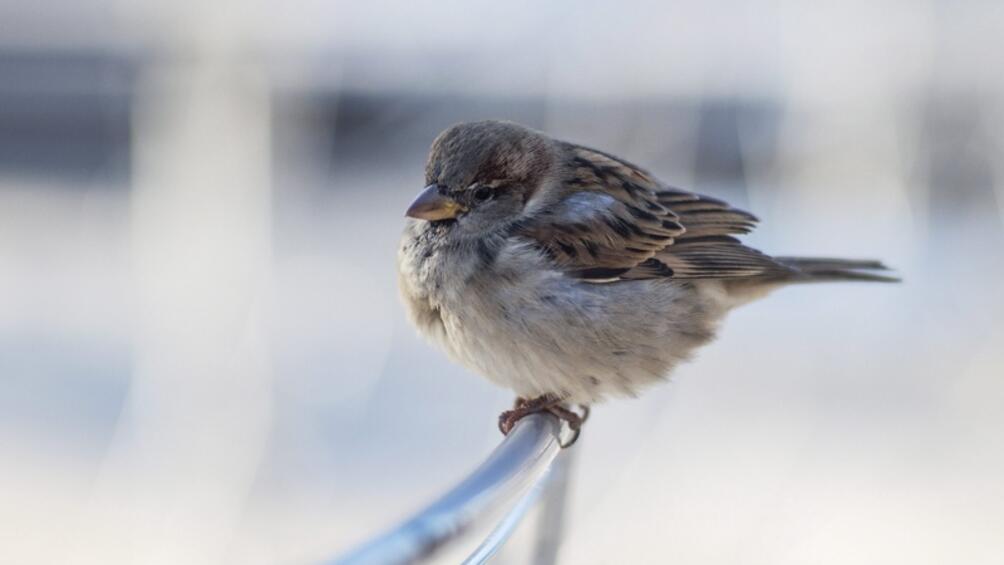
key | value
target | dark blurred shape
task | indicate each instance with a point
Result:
(364, 128)
(957, 154)
(729, 132)
(66, 114)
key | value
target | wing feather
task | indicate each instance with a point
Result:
(616, 221)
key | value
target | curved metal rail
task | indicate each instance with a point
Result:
(515, 471)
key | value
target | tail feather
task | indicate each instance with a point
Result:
(813, 269)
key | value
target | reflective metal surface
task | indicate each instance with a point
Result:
(508, 524)
(515, 468)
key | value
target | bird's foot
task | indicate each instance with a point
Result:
(524, 407)
(574, 420)
(545, 403)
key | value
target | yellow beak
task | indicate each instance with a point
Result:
(433, 205)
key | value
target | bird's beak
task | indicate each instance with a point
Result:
(433, 205)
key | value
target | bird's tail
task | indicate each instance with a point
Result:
(818, 269)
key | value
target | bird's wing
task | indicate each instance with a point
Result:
(615, 221)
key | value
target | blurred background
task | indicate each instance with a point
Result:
(202, 354)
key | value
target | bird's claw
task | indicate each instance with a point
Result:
(507, 420)
(524, 407)
(573, 419)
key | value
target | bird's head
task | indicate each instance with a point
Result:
(480, 176)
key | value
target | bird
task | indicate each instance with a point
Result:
(572, 276)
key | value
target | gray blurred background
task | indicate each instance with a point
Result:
(202, 355)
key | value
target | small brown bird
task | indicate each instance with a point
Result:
(570, 275)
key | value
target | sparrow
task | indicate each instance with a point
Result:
(572, 276)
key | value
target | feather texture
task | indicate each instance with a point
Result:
(616, 221)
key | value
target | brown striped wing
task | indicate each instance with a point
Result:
(615, 221)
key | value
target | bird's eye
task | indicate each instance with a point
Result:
(482, 193)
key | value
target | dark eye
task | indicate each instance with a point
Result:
(482, 193)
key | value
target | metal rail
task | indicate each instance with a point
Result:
(514, 474)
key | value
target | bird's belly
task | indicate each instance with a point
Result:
(580, 341)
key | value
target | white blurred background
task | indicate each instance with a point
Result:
(202, 355)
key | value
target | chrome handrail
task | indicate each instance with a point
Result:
(514, 471)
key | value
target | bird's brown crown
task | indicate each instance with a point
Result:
(489, 152)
